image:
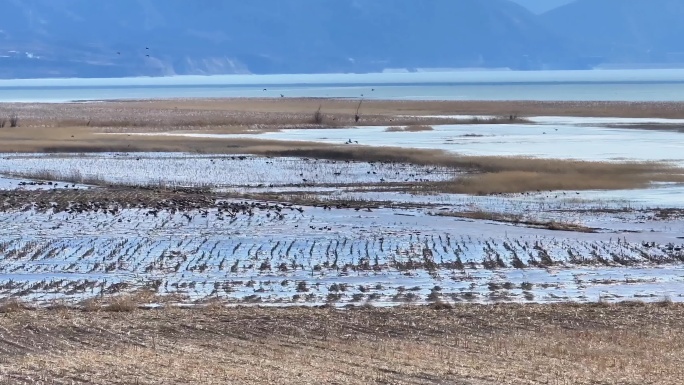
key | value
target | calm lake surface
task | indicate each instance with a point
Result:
(599, 85)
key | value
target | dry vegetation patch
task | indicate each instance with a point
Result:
(504, 344)
(268, 114)
(519, 219)
(387, 107)
(412, 128)
(500, 174)
(525, 181)
(12, 305)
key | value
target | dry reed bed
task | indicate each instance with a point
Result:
(285, 112)
(112, 117)
(479, 345)
(413, 128)
(519, 219)
(602, 178)
(500, 174)
(348, 106)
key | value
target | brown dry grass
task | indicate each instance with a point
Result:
(11, 305)
(602, 178)
(268, 114)
(500, 174)
(496, 175)
(394, 129)
(519, 219)
(414, 107)
(467, 344)
(226, 116)
(123, 303)
(126, 302)
(411, 128)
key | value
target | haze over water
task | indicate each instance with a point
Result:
(599, 85)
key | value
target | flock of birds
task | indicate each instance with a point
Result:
(43, 183)
(189, 207)
(147, 50)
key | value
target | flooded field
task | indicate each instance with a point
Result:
(253, 202)
(297, 231)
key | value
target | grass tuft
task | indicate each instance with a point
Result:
(14, 121)
(12, 305)
(318, 116)
(440, 305)
(410, 128)
(122, 304)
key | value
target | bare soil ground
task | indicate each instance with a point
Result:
(504, 344)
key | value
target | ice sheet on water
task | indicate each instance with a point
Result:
(579, 120)
(543, 141)
(567, 120)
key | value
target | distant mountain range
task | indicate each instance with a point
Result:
(87, 38)
(623, 32)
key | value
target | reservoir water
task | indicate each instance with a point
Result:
(596, 85)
